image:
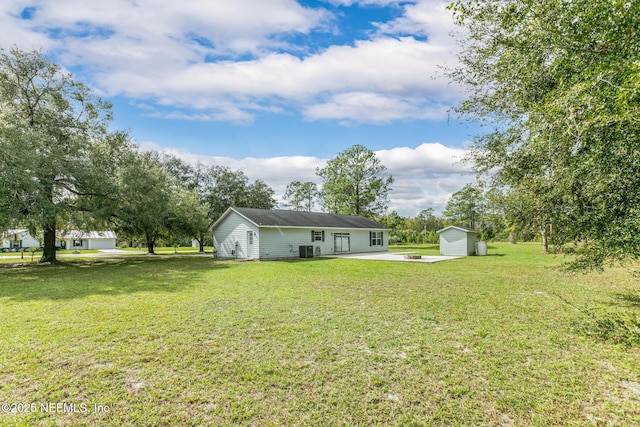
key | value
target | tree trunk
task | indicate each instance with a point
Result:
(201, 243)
(49, 252)
(545, 240)
(150, 243)
(49, 224)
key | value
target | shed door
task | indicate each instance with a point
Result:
(341, 242)
(249, 244)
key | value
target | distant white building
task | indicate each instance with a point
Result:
(18, 239)
(458, 241)
(79, 240)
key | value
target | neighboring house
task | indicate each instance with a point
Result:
(78, 240)
(18, 239)
(458, 241)
(245, 233)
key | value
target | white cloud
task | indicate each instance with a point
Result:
(16, 31)
(428, 158)
(398, 76)
(226, 27)
(373, 108)
(364, 2)
(185, 56)
(424, 177)
(428, 18)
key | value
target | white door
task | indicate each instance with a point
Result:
(341, 242)
(249, 244)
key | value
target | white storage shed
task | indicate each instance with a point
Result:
(457, 241)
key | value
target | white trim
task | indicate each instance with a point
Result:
(226, 214)
(466, 230)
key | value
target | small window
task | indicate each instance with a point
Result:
(317, 236)
(250, 236)
(376, 238)
(77, 243)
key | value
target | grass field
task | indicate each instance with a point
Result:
(507, 339)
(12, 257)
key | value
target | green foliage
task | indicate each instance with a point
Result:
(613, 327)
(559, 82)
(463, 207)
(232, 188)
(148, 204)
(216, 189)
(56, 154)
(301, 195)
(354, 183)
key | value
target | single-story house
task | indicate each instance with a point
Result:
(78, 240)
(247, 233)
(18, 239)
(457, 241)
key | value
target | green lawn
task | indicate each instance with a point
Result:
(507, 339)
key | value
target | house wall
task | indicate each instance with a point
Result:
(69, 244)
(234, 229)
(25, 240)
(277, 243)
(455, 242)
(101, 243)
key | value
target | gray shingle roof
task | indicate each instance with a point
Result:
(283, 218)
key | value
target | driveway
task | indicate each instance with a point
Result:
(393, 256)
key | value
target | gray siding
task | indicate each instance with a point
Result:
(278, 243)
(234, 229)
(455, 242)
(282, 243)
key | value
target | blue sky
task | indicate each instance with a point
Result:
(270, 87)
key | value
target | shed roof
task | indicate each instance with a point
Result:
(465, 229)
(285, 218)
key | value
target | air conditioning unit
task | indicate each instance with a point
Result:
(306, 251)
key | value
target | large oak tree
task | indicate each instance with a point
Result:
(558, 81)
(56, 153)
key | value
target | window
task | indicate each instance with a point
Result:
(250, 236)
(77, 243)
(375, 238)
(317, 236)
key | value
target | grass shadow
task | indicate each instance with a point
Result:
(629, 299)
(76, 279)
